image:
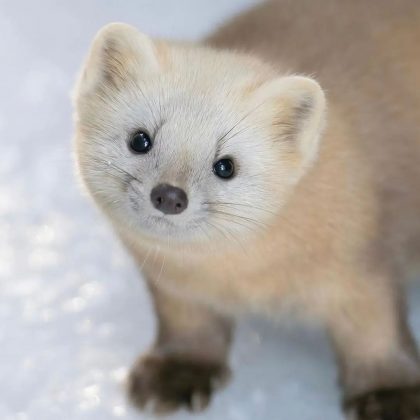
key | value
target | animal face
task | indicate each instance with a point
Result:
(185, 143)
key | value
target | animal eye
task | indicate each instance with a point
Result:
(224, 168)
(140, 142)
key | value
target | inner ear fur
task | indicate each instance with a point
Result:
(118, 54)
(298, 108)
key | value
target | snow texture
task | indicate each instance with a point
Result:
(73, 312)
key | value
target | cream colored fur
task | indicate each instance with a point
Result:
(323, 215)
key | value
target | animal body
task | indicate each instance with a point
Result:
(274, 165)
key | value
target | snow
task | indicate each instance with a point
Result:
(74, 314)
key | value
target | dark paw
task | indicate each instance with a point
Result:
(393, 404)
(164, 384)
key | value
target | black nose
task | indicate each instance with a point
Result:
(169, 199)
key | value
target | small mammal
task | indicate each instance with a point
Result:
(237, 186)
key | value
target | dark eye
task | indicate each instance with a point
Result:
(140, 142)
(224, 168)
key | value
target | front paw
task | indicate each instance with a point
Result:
(392, 404)
(162, 384)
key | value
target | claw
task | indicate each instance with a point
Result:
(199, 402)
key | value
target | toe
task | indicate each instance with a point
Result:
(162, 385)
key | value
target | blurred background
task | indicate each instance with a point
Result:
(74, 313)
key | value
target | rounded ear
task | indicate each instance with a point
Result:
(119, 52)
(298, 108)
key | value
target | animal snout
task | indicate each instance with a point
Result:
(169, 199)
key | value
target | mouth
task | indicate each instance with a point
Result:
(162, 220)
(163, 226)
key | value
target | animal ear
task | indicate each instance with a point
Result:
(118, 53)
(298, 108)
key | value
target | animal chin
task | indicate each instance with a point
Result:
(160, 225)
(163, 227)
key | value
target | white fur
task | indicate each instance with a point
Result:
(188, 98)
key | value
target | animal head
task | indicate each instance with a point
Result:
(188, 143)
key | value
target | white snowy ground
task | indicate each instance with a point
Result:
(73, 311)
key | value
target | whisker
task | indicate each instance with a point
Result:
(287, 223)
(161, 268)
(237, 222)
(247, 219)
(149, 105)
(157, 250)
(226, 233)
(231, 233)
(205, 233)
(216, 228)
(235, 134)
(111, 174)
(223, 139)
(118, 168)
(145, 259)
(225, 203)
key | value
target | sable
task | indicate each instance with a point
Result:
(240, 186)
